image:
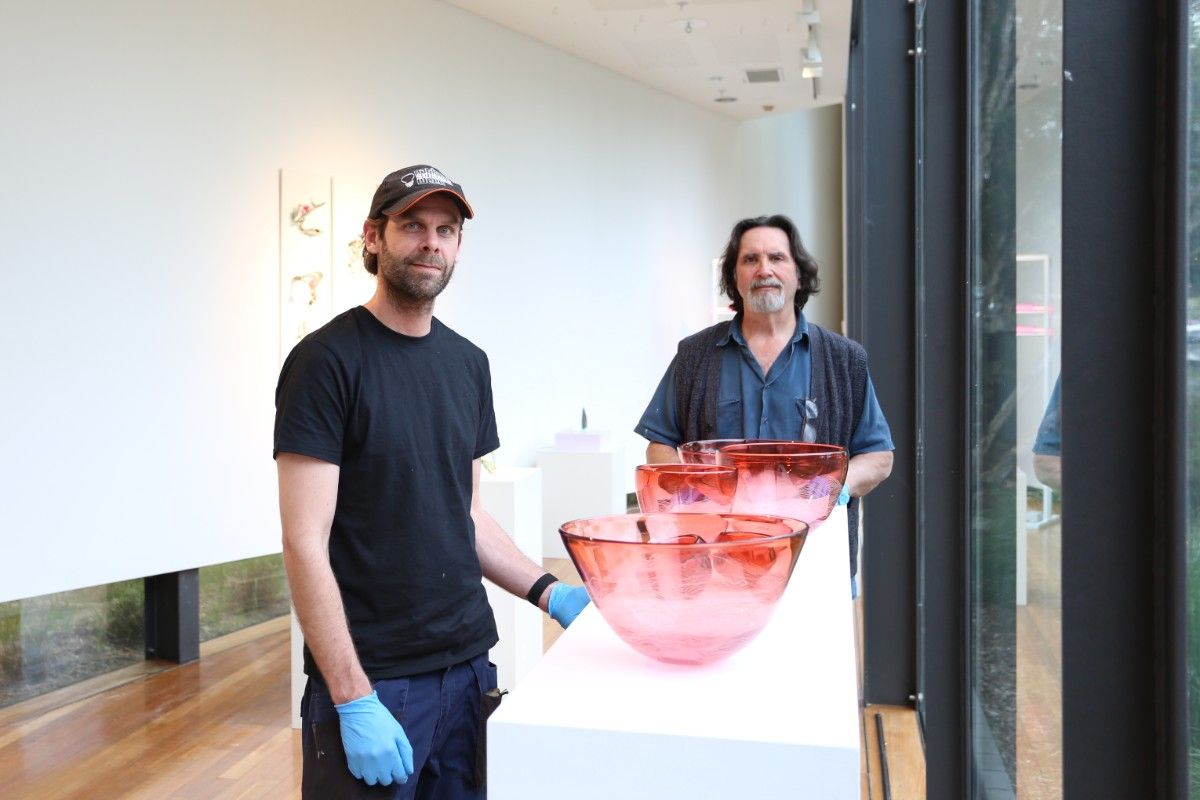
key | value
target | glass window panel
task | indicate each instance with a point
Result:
(55, 640)
(1015, 660)
(239, 594)
(1193, 395)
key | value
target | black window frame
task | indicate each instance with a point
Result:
(1125, 731)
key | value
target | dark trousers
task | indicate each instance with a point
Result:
(440, 713)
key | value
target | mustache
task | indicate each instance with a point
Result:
(766, 283)
(432, 260)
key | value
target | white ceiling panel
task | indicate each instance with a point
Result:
(747, 49)
(661, 54)
(695, 50)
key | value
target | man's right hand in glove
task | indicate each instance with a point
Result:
(377, 749)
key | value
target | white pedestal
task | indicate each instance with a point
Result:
(778, 719)
(513, 496)
(298, 676)
(578, 484)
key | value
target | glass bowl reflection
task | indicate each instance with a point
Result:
(696, 488)
(685, 588)
(790, 479)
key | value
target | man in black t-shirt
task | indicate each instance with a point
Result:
(381, 418)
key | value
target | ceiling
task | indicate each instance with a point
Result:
(698, 50)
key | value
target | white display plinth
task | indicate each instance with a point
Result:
(513, 496)
(578, 484)
(298, 676)
(778, 719)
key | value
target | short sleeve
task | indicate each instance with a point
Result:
(872, 434)
(659, 422)
(1049, 434)
(312, 402)
(486, 439)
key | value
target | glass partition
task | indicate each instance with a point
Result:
(1193, 395)
(1016, 451)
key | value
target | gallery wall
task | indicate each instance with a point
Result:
(139, 242)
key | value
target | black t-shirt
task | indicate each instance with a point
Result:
(403, 417)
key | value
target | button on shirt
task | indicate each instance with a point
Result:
(756, 406)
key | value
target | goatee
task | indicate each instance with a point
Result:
(408, 285)
(768, 303)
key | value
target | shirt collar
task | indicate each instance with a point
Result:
(734, 334)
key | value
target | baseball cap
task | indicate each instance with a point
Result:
(404, 187)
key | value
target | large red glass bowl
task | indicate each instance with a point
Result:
(694, 488)
(704, 451)
(685, 588)
(788, 479)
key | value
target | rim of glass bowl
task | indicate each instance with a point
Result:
(798, 527)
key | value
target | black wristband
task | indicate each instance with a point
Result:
(539, 586)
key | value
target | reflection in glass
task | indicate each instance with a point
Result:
(1016, 447)
(55, 640)
(1193, 394)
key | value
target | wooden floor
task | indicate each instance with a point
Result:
(219, 729)
(216, 729)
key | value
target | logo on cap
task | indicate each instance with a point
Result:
(425, 175)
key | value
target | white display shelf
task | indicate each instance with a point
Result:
(575, 484)
(779, 719)
(513, 496)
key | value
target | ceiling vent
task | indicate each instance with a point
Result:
(762, 75)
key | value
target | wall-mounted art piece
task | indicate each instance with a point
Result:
(321, 271)
(305, 256)
(352, 284)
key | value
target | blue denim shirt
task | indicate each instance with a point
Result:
(1049, 435)
(756, 406)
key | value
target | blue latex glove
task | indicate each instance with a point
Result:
(844, 497)
(377, 749)
(566, 602)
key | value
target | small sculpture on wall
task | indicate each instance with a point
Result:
(300, 217)
(310, 281)
(354, 254)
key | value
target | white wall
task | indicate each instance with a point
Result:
(139, 246)
(793, 166)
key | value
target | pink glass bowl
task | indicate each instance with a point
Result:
(685, 588)
(704, 451)
(788, 479)
(696, 488)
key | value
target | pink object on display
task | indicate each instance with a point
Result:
(704, 451)
(685, 588)
(788, 479)
(696, 488)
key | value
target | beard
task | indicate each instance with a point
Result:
(768, 302)
(407, 285)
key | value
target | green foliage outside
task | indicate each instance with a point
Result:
(55, 640)
(240, 594)
(59, 639)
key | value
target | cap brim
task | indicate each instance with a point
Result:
(412, 200)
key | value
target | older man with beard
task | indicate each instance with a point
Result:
(769, 373)
(381, 418)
